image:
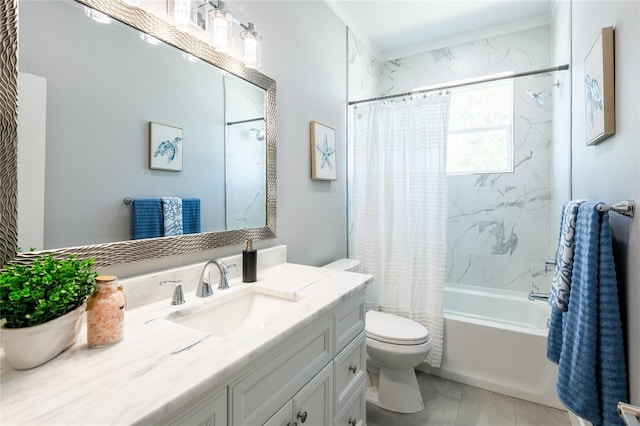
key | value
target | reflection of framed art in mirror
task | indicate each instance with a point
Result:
(165, 147)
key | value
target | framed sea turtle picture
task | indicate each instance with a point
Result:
(165, 147)
(600, 119)
(323, 152)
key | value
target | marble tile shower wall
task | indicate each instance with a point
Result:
(364, 69)
(499, 224)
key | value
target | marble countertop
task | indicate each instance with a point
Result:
(160, 366)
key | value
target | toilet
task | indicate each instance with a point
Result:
(395, 346)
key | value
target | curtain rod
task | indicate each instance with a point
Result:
(231, 123)
(452, 85)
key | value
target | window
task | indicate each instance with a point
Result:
(481, 129)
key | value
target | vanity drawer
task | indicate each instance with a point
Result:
(349, 320)
(355, 410)
(263, 391)
(349, 371)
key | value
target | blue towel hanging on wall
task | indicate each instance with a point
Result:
(587, 341)
(191, 215)
(146, 218)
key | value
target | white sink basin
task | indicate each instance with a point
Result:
(246, 309)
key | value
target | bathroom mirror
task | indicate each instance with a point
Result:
(119, 167)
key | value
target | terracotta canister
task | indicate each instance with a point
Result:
(105, 313)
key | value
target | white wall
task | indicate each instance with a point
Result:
(610, 171)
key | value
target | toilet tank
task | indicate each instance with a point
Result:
(344, 264)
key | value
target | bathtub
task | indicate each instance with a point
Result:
(497, 341)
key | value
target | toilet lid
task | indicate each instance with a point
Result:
(394, 329)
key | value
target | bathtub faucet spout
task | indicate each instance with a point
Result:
(538, 296)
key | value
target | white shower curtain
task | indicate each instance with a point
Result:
(398, 207)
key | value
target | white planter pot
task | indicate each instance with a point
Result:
(30, 347)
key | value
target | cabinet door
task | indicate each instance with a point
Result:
(282, 417)
(272, 383)
(313, 405)
(210, 410)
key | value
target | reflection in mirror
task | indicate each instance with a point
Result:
(244, 154)
(105, 125)
(92, 143)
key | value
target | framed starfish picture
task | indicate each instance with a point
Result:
(323, 152)
(165, 147)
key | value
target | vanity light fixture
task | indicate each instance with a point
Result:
(182, 13)
(221, 27)
(97, 16)
(252, 45)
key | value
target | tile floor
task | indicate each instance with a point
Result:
(450, 403)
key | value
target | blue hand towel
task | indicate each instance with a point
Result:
(146, 218)
(592, 375)
(172, 213)
(191, 215)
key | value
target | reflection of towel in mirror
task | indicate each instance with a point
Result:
(191, 215)
(172, 214)
(146, 218)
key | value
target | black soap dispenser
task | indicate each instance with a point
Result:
(249, 263)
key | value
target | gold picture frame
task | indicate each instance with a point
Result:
(323, 152)
(600, 118)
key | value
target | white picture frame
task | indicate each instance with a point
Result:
(165, 147)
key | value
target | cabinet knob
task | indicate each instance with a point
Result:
(353, 369)
(302, 417)
(352, 422)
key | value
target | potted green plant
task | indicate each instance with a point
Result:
(42, 305)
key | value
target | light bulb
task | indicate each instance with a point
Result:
(251, 46)
(182, 13)
(250, 52)
(221, 23)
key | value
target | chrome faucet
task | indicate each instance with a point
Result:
(204, 288)
(178, 295)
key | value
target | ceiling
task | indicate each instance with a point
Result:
(393, 28)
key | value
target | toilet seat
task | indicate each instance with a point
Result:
(394, 329)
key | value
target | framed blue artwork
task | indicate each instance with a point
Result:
(323, 152)
(165, 147)
(600, 117)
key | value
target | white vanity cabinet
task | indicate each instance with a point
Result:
(287, 357)
(314, 379)
(209, 410)
(311, 406)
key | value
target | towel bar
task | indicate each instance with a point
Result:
(627, 208)
(629, 413)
